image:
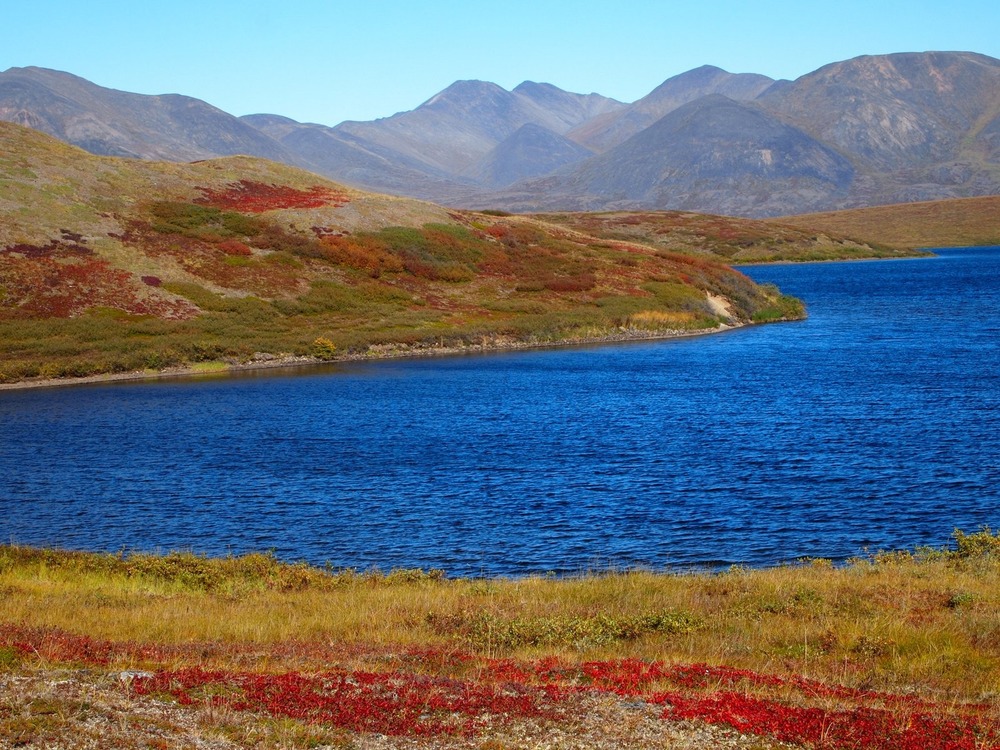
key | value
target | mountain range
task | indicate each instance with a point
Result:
(867, 131)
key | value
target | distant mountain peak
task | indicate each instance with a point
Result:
(465, 91)
(533, 85)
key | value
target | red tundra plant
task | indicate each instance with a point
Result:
(59, 646)
(55, 248)
(856, 727)
(865, 719)
(67, 286)
(391, 703)
(256, 197)
(235, 247)
(403, 702)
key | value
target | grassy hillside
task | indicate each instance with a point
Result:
(892, 651)
(111, 265)
(962, 222)
(730, 239)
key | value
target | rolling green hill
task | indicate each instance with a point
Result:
(959, 222)
(730, 239)
(112, 265)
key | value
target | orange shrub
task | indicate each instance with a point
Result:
(234, 247)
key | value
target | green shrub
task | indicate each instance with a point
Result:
(323, 348)
(203, 222)
(980, 544)
(778, 307)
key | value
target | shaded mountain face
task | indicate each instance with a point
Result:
(531, 151)
(715, 151)
(614, 128)
(116, 123)
(989, 136)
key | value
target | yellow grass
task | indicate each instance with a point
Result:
(928, 622)
(947, 223)
(658, 320)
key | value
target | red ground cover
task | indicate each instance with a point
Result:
(57, 282)
(432, 691)
(257, 197)
(394, 703)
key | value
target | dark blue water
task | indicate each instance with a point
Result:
(874, 424)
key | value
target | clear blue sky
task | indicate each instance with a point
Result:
(331, 61)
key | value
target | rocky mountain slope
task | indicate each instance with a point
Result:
(872, 130)
(715, 152)
(530, 151)
(116, 123)
(868, 131)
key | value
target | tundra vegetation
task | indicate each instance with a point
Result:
(735, 240)
(959, 222)
(893, 650)
(113, 265)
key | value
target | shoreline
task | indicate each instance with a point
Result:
(918, 254)
(375, 353)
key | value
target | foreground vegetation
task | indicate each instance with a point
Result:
(897, 650)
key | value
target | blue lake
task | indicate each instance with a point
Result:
(874, 424)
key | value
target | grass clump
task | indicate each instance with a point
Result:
(492, 633)
(183, 571)
(779, 307)
(202, 222)
(982, 544)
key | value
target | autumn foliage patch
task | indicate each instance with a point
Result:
(796, 709)
(257, 197)
(393, 703)
(62, 280)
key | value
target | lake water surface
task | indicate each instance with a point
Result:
(874, 424)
